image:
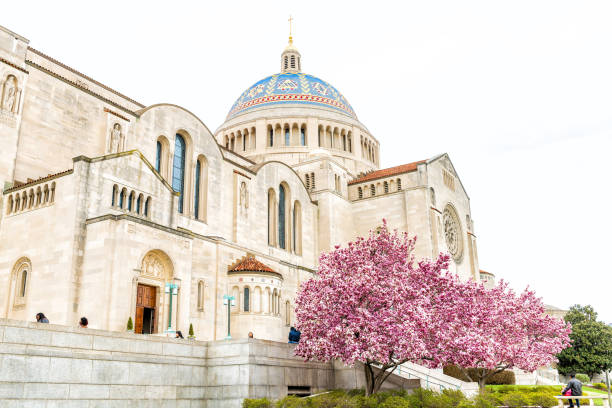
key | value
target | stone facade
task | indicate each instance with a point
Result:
(55, 366)
(115, 210)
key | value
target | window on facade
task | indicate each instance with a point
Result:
(122, 198)
(271, 217)
(307, 182)
(246, 299)
(319, 136)
(244, 138)
(344, 142)
(281, 217)
(200, 295)
(271, 137)
(312, 181)
(196, 198)
(359, 192)
(386, 184)
(372, 190)
(24, 282)
(131, 201)
(178, 169)
(286, 62)
(113, 199)
(287, 137)
(293, 61)
(303, 137)
(399, 184)
(297, 228)
(147, 207)
(158, 156)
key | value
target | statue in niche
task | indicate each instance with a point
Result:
(115, 139)
(244, 196)
(10, 94)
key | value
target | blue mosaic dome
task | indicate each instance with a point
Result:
(293, 88)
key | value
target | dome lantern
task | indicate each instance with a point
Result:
(291, 60)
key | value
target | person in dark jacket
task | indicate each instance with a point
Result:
(576, 387)
(294, 335)
(40, 318)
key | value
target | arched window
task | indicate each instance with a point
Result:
(297, 228)
(281, 217)
(319, 136)
(302, 136)
(38, 196)
(196, 198)
(247, 300)
(286, 62)
(344, 142)
(122, 198)
(9, 204)
(271, 218)
(147, 207)
(307, 182)
(350, 147)
(24, 200)
(201, 295)
(46, 194)
(359, 192)
(158, 156)
(131, 201)
(114, 198)
(293, 61)
(271, 137)
(21, 274)
(178, 169)
(372, 190)
(52, 199)
(399, 184)
(386, 184)
(287, 136)
(312, 181)
(287, 313)
(31, 200)
(17, 202)
(139, 204)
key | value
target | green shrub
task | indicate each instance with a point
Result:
(484, 401)
(190, 329)
(600, 386)
(395, 401)
(257, 403)
(420, 398)
(467, 404)
(516, 399)
(542, 399)
(130, 324)
(583, 378)
(505, 377)
(294, 402)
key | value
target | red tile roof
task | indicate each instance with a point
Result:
(391, 171)
(249, 263)
(488, 273)
(39, 180)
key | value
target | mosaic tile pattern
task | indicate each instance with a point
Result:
(291, 88)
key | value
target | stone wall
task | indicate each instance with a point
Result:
(57, 366)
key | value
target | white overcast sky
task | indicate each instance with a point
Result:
(519, 93)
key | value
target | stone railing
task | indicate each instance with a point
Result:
(436, 380)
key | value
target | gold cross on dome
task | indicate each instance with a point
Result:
(290, 20)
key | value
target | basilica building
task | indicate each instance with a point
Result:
(119, 211)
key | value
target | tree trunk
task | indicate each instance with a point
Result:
(482, 381)
(375, 380)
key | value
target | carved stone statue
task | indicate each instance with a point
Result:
(115, 140)
(244, 196)
(10, 94)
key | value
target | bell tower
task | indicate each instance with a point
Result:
(291, 60)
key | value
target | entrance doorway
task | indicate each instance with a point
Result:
(146, 298)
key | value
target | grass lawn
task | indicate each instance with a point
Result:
(553, 389)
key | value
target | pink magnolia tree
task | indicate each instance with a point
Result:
(367, 305)
(371, 303)
(491, 330)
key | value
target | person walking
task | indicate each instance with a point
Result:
(41, 318)
(294, 335)
(575, 386)
(83, 322)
